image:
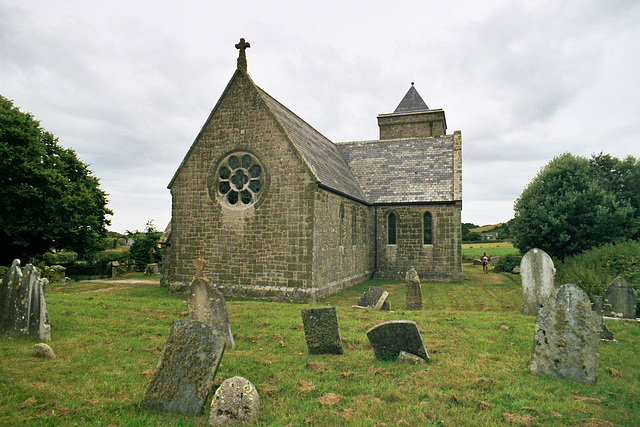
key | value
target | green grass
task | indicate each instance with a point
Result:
(469, 250)
(108, 337)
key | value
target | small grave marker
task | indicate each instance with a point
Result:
(321, 330)
(620, 300)
(235, 402)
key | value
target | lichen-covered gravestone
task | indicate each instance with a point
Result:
(23, 309)
(186, 369)
(566, 343)
(207, 304)
(620, 300)
(321, 330)
(371, 298)
(414, 293)
(390, 338)
(537, 271)
(235, 402)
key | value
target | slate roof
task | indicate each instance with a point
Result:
(411, 103)
(322, 155)
(410, 170)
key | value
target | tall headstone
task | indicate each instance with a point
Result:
(414, 293)
(321, 330)
(23, 309)
(235, 402)
(390, 338)
(566, 343)
(537, 271)
(186, 369)
(620, 299)
(207, 304)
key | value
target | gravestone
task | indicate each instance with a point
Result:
(43, 350)
(566, 343)
(597, 305)
(112, 268)
(620, 300)
(186, 369)
(321, 330)
(371, 297)
(537, 271)
(23, 309)
(390, 338)
(207, 304)
(235, 402)
(414, 293)
(152, 269)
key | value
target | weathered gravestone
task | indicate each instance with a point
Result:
(371, 297)
(390, 338)
(23, 309)
(321, 330)
(414, 293)
(620, 300)
(235, 402)
(186, 369)
(537, 271)
(112, 268)
(566, 343)
(207, 304)
(597, 304)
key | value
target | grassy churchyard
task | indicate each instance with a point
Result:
(108, 336)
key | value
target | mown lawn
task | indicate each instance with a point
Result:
(108, 337)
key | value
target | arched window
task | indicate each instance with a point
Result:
(391, 229)
(427, 229)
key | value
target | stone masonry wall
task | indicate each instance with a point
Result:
(344, 242)
(412, 125)
(439, 261)
(266, 250)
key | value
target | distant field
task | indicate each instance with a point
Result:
(491, 248)
(485, 228)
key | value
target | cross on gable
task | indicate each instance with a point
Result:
(242, 58)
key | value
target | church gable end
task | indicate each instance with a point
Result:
(278, 211)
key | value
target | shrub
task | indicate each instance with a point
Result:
(595, 269)
(508, 262)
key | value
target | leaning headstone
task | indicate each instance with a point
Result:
(414, 293)
(566, 343)
(23, 307)
(207, 304)
(371, 297)
(381, 301)
(620, 300)
(321, 330)
(537, 271)
(235, 402)
(390, 338)
(186, 369)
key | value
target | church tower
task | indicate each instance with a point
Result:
(412, 119)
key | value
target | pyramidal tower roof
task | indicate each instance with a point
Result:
(412, 102)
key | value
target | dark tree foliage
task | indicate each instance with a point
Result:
(575, 203)
(49, 199)
(143, 244)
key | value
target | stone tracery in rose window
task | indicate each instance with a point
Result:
(240, 180)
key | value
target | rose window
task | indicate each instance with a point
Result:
(240, 180)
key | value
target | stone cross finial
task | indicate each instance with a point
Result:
(242, 57)
(199, 267)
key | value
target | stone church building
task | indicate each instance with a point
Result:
(278, 211)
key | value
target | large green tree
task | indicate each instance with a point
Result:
(575, 203)
(49, 199)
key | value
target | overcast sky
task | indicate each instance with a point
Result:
(129, 84)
